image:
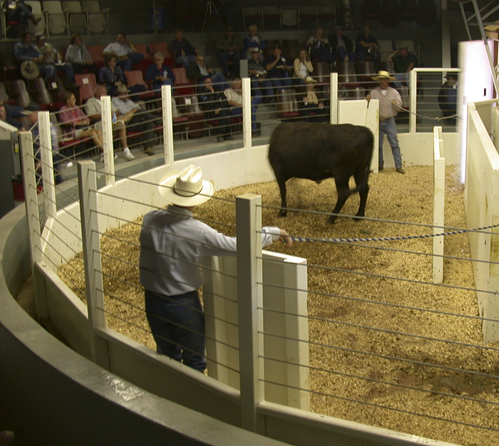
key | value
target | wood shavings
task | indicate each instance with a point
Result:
(358, 319)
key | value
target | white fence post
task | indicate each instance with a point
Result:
(247, 128)
(107, 140)
(87, 184)
(438, 204)
(47, 163)
(333, 91)
(166, 104)
(33, 218)
(413, 92)
(249, 291)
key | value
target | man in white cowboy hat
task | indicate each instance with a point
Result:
(173, 245)
(390, 103)
(52, 57)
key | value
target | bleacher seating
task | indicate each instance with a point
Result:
(183, 86)
(86, 84)
(38, 12)
(96, 53)
(252, 15)
(55, 17)
(18, 92)
(98, 19)
(76, 17)
(271, 16)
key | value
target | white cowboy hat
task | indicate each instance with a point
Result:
(187, 187)
(383, 75)
(122, 88)
(310, 80)
(30, 69)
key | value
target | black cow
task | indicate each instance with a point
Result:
(319, 151)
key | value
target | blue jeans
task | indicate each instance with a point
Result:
(402, 77)
(177, 324)
(68, 72)
(186, 60)
(266, 85)
(225, 57)
(390, 128)
(133, 58)
(281, 82)
(254, 105)
(341, 52)
(48, 70)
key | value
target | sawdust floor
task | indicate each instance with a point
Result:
(386, 346)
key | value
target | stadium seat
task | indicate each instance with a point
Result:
(162, 47)
(38, 12)
(76, 17)
(98, 19)
(183, 86)
(86, 84)
(286, 105)
(252, 15)
(55, 17)
(18, 92)
(271, 17)
(96, 53)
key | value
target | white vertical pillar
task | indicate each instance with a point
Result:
(438, 204)
(247, 132)
(333, 91)
(33, 219)
(167, 107)
(47, 163)
(249, 275)
(413, 91)
(87, 186)
(107, 136)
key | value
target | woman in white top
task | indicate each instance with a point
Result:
(302, 67)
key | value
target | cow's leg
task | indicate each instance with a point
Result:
(360, 176)
(282, 187)
(343, 193)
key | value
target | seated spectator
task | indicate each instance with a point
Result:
(7, 114)
(403, 63)
(25, 51)
(31, 113)
(199, 71)
(253, 42)
(216, 108)
(319, 47)
(76, 124)
(18, 11)
(447, 97)
(258, 75)
(52, 57)
(302, 68)
(311, 108)
(366, 46)
(79, 57)
(137, 119)
(111, 75)
(185, 53)
(93, 111)
(159, 73)
(235, 101)
(278, 69)
(230, 48)
(124, 51)
(341, 45)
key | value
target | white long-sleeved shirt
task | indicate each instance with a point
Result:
(173, 245)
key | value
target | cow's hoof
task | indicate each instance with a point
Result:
(282, 214)
(331, 220)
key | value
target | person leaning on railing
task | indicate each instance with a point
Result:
(172, 247)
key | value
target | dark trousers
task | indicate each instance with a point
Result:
(177, 325)
(78, 68)
(143, 122)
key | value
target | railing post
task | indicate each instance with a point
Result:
(107, 140)
(87, 185)
(47, 163)
(250, 292)
(438, 204)
(247, 132)
(333, 91)
(413, 91)
(33, 218)
(166, 104)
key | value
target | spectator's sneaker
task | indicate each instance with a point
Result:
(67, 165)
(128, 155)
(149, 151)
(220, 139)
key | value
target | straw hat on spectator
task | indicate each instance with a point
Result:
(30, 69)
(186, 188)
(383, 75)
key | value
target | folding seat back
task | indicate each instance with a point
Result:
(98, 19)
(36, 9)
(286, 105)
(76, 17)
(55, 17)
(86, 86)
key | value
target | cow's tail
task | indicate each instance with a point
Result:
(367, 166)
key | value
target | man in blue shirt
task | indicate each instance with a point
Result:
(26, 51)
(173, 245)
(278, 69)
